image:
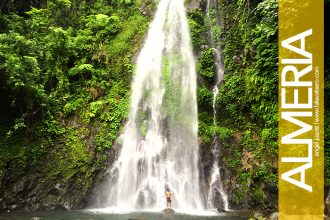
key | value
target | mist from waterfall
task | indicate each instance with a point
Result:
(159, 143)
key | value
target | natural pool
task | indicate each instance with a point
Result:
(87, 215)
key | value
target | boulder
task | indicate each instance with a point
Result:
(168, 211)
(192, 5)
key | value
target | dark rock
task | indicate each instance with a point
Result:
(14, 207)
(18, 187)
(60, 208)
(3, 206)
(252, 202)
(205, 167)
(168, 211)
(238, 60)
(271, 187)
(217, 198)
(221, 210)
(32, 199)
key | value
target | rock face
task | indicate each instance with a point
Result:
(35, 191)
(31, 192)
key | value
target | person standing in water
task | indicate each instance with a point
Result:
(168, 195)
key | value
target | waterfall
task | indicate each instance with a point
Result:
(215, 186)
(218, 59)
(159, 142)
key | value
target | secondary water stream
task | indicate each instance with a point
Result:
(216, 186)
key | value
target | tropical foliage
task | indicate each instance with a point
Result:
(65, 70)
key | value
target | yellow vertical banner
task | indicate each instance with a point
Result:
(301, 69)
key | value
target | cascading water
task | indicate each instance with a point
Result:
(218, 59)
(215, 187)
(160, 147)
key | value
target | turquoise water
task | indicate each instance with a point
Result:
(82, 215)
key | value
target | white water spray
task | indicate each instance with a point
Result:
(160, 147)
(216, 186)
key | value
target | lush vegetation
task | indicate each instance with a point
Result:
(247, 102)
(65, 69)
(249, 96)
(65, 73)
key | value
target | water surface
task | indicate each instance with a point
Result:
(83, 215)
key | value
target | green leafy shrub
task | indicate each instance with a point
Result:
(206, 66)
